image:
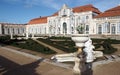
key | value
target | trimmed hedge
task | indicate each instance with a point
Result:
(4, 39)
(34, 46)
(67, 46)
(26, 44)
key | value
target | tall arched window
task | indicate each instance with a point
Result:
(8, 30)
(87, 29)
(99, 29)
(64, 27)
(108, 27)
(113, 29)
(118, 27)
(18, 30)
(13, 31)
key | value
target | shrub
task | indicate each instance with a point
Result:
(97, 46)
(4, 39)
(108, 48)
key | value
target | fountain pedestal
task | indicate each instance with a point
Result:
(79, 40)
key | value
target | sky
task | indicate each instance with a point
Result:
(22, 11)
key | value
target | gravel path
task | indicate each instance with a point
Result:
(19, 63)
(13, 62)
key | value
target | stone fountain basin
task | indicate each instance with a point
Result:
(80, 39)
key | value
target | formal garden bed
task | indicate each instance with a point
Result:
(62, 43)
(26, 44)
(67, 45)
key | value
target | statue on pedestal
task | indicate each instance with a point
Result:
(89, 53)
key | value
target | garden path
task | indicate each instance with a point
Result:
(13, 62)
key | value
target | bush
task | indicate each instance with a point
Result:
(108, 48)
(4, 39)
(97, 46)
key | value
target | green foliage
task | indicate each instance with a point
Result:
(66, 45)
(97, 46)
(4, 39)
(34, 46)
(80, 29)
(108, 48)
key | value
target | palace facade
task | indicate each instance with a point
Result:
(10, 28)
(66, 20)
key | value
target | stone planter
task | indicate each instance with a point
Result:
(80, 39)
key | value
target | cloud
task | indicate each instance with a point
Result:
(56, 4)
(46, 3)
(31, 3)
(52, 4)
(105, 4)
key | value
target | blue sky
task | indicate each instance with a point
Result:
(21, 11)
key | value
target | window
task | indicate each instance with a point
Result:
(87, 29)
(13, 30)
(64, 27)
(18, 30)
(99, 29)
(72, 29)
(87, 17)
(104, 28)
(64, 13)
(118, 27)
(108, 27)
(8, 30)
(113, 29)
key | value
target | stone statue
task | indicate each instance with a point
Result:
(89, 51)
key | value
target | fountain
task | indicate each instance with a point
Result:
(84, 56)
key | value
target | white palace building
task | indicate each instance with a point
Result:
(66, 20)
